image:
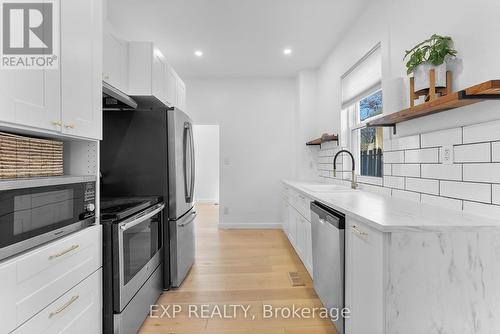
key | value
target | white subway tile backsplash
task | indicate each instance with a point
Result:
(489, 131)
(326, 153)
(485, 210)
(387, 169)
(394, 157)
(442, 172)
(422, 185)
(406, 170)
(405, 143)
(495, 196)
(387, 144)
(325, 160)
(413, 168)
(427, 155)
(394, 182)
(449, 203)
(480, 192)
(489, 173)
(473, 153)
(495, 151)
(409, 195)
(441, 138)
(325, 167)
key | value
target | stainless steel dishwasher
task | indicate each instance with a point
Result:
(328, 241)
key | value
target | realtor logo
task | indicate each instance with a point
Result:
(29, 36)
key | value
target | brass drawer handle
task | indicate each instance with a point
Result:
(65, 306)
(359, 232)
(56, 123)
(72, 248)
(69, 126)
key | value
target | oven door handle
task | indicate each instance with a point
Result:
(137, 220)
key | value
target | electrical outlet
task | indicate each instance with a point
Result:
(447, 155)
(226, 210)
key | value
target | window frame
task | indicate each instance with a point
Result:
(353, 136)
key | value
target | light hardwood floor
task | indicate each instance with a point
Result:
(247, 267)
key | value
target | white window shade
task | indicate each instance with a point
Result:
(363, 78)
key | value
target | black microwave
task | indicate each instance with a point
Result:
(32, 216)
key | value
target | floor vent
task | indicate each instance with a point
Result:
(296, 279)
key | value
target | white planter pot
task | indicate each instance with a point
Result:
(421, 75)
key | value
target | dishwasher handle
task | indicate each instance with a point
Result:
(329, 215)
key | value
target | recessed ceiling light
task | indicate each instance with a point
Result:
(198, 53)
(287, 51)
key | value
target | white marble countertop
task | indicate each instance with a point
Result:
(389, 214)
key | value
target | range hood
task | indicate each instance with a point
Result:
(115, 99)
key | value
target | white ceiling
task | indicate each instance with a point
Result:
(239, 38)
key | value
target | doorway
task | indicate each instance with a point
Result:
(207, 157)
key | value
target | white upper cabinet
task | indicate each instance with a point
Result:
(69, 99)
(150, 74)
(115, 61)
(31, 98)
(181, 94)
(171, 80)
(81, 63)
(159, 79)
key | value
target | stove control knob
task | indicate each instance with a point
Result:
(90, 207)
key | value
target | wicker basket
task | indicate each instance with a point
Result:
(29, 157)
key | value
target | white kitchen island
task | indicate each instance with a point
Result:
(411, 267)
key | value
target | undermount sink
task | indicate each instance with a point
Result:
(324, 188)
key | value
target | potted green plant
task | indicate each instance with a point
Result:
(430, 54)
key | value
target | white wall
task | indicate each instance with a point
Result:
(399, 25)
(256, 118)
(306, 127)
(206, 147)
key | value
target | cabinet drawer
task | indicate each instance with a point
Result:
(44, 274)
(303, 205)
(77, 311)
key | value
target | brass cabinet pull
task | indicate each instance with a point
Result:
(72, 248)
(56, 123)
(69, 126)
(65, 306)
(358, 231)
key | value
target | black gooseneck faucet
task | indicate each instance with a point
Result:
(354, 185)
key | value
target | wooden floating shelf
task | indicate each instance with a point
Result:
(488, 90)
(323, 139)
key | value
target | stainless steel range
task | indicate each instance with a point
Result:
(132, 266)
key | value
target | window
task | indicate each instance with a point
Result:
(370, 139)
(361, 102)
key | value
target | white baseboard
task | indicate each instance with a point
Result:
(250, 226)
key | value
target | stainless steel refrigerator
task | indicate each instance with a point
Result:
(149, 151)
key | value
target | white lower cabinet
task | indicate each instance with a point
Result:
(77, 311)
(35, 280)
(292, 225)
(364, 290)
(284, 215)
(297, 225)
